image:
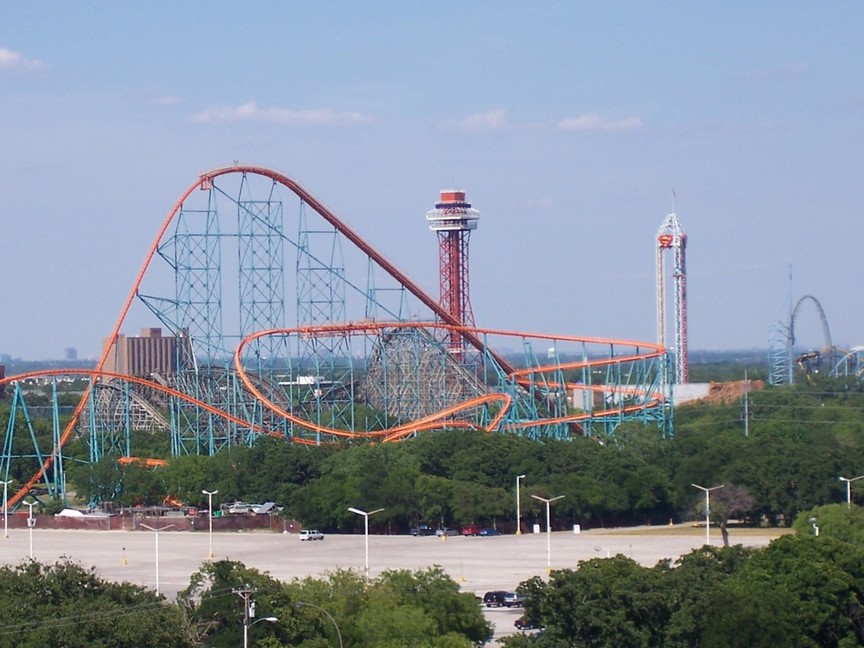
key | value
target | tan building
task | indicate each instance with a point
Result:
(142, 356)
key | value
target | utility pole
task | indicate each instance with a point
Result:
(746, 406)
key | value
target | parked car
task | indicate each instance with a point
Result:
(422, 530)
(522, 624)
(446, 531)
(471, 530)
(494, 598)
(512, 599)
(489, 532)
(311, 534)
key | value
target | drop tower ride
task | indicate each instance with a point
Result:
(672, 237)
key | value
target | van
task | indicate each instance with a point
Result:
(311, 534)
(494, 598)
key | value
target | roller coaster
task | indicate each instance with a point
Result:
(291, 325)
(784, 356)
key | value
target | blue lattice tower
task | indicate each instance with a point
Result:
(325, 395)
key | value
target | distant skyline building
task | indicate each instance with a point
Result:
(144, 355)
(453, 219)
(70, 353)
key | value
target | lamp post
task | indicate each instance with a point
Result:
(707, 509)
(548, 529)
(365, 532)
(157, 530)
(5, 508)
(210, 495)
(518, 506)
(31, 522)
(329, 616)
(247, 625)
(849, 489)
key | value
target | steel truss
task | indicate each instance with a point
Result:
(332, 356)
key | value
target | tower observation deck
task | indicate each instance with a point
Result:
(453, 219)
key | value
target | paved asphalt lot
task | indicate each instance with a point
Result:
(477, 563)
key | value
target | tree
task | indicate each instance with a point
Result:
(834, 521)
(606, 602)
(215, 608)
(692, 586)
(729, 501)
(806, 590)
(66, 605)
(399, 608)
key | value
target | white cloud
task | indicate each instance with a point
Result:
(251, 112)
(484, 122)
(12, 60)
(594, 122)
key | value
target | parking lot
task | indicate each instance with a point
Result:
(478, 564)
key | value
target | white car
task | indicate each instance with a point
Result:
(311, 534)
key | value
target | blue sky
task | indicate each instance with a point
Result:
(569, 124)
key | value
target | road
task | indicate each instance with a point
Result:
(478, 564)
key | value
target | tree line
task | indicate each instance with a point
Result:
(66, 605)
(802, 590)
(787, 458)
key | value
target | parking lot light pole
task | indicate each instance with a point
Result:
(157, 530)
(210, 495)
(849, 488)
(707, 509)
(31, 522)
(365, 532)
(548, 529)
(518, 506)
(6, 508)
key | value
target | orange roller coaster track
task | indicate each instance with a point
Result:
(357, 358)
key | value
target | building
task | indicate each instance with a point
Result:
(147, 354)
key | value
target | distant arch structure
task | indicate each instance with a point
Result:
(785, 355)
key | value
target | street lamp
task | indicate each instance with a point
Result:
(548, 530)
(365, 531)
(5, 508)
(849, 489)
(210, 495)
(329, 616)
(707, 509)
(247, 625)
(31, 522)
(157, 530)
(518, 507)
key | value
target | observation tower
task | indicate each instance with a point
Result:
(672, 237)
(454, 219)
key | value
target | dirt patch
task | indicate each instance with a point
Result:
(723, 393)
